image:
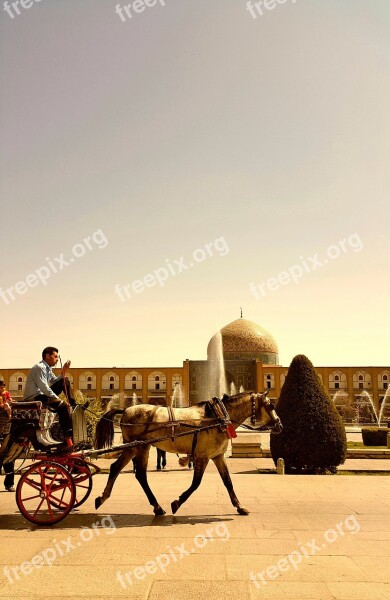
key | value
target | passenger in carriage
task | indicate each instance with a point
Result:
(42, 385)
(5, 416)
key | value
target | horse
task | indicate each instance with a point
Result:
(176, 426)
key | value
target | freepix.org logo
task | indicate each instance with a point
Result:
(42, 274)
(12, 8)
(160, 276)
(306, 265)
(256, 9)
(297, 557)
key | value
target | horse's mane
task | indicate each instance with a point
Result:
(205, 403)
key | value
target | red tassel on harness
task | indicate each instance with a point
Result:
(231, 432)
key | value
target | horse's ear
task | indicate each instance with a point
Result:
(225, 397)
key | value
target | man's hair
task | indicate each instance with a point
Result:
(2, 382)
(48, 350)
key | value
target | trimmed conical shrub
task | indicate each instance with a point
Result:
(313, 439)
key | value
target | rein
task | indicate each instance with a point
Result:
(217, 422)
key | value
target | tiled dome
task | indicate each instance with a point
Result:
(243, 339)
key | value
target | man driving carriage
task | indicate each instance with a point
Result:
(43, 386)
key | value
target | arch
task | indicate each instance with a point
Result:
(361, 380)
(383, 380)
(133, 381)
(17, 381)
(269, 381)
(110, 381)
(87, 381)
(338, 381)
(157, 381)
(177, 379)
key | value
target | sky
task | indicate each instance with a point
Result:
(161, 170)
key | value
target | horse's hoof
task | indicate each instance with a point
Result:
(175, 505)
(242, 511)
(159, 512)
(98, 502)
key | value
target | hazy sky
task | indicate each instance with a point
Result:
(191, 124)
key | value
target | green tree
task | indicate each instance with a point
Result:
(313, 439)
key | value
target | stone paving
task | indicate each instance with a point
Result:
(307, 537)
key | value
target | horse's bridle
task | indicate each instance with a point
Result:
(269, 407)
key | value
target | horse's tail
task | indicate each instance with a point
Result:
(104, 434)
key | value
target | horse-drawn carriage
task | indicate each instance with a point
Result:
(57, 482)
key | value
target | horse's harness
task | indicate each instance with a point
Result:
(269, 407)
(218, 409)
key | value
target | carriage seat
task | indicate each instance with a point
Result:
(26, 411)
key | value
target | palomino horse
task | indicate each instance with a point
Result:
(147, 422)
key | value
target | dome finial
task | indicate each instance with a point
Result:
(241, 311)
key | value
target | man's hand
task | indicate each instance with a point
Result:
(66, 367)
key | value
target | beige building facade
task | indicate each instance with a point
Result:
(250, 362)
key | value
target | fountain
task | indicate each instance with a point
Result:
(233, 389)
(178, 396)
(217, 378)
(242, 389)
(135, 398)
(365, 408)
(340, 398)
(385, 408)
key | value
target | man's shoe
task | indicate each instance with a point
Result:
(10, 488)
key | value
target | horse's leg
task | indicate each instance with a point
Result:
(223, 470)
(115, 469)
(159, 456)
(200, 465)
(140, 475)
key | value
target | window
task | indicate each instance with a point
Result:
(360, 386)
(385, 385)
(385, 378)
(20, 387)
(134, 379)
(361, 378)
(20, 380)
(157, 386)
(112, 378)
(134, 386)
(336, 385)
(89, 386)
(157, 378)
(268, 385)
(89, 379)
(337, 378)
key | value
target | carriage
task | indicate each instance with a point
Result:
(55, 483)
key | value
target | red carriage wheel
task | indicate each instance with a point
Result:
(82, 478)
(45, 493)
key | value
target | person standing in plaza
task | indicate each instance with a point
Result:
(5, 425)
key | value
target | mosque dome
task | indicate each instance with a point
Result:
(245, 340)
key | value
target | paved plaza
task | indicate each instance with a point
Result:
(314, 537)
